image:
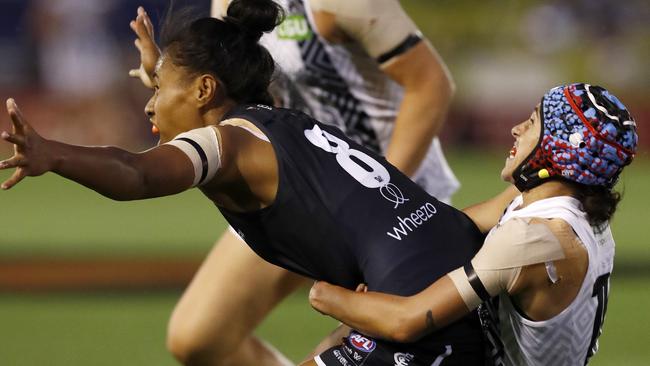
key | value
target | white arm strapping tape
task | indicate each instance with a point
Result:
(219, 8)
(506, 250)
(518, 242)
(201, 145)
(378, 25)
(493, 282)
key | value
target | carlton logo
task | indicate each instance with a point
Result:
(402, 359)
(362, 343)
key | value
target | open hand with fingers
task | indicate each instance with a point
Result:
(145, 43)
(32, 155)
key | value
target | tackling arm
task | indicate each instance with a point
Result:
(396, 318)
(494, 270)
(112, 172)
(122, 175)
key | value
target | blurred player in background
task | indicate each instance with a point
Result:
(550, 255)
(362, 66)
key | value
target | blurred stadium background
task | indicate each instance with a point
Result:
(66, 63)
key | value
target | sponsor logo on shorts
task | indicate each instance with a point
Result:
(402, 359)
(342, 360)
(356, 356)
(362, 343)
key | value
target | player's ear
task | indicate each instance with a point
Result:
(208, 90)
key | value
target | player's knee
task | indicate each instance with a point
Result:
(191, 347)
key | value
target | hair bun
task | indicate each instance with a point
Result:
(254, 17)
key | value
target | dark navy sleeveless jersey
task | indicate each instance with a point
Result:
(343, 214)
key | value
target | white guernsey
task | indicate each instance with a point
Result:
(521, 239)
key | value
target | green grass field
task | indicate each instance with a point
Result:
(129, 329)
(48, 216)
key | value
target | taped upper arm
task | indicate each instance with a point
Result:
(381, 27)
(517, 243)
(202, 147)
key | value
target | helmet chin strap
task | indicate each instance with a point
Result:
(524, 181)
(525, 177)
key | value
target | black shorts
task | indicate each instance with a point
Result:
(359, 350)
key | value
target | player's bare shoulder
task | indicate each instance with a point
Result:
(251, 161)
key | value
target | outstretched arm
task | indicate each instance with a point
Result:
(149, 51)
(112, 172)
(396, 318)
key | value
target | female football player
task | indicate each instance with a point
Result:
(360, 65)
(300, 193)
(550, 256)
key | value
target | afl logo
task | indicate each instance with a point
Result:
(362, 343)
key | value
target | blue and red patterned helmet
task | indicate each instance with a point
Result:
(587, 137)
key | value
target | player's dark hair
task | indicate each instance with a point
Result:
(598, 202)
(228, 48)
